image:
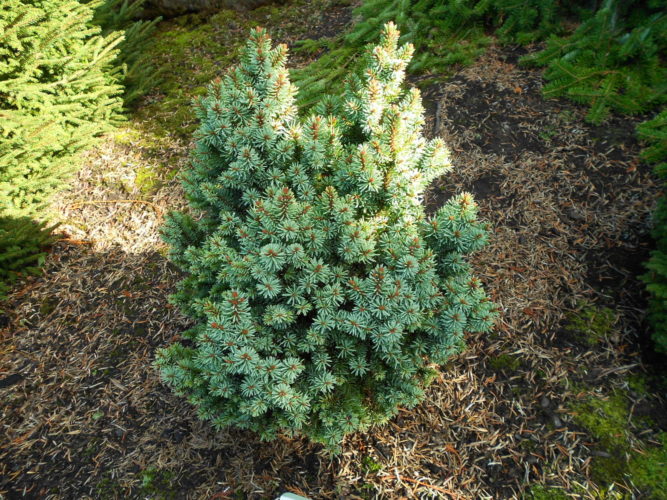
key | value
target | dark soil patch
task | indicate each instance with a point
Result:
(498, 116)
(614, 271)
(332, 22)
(512, 53)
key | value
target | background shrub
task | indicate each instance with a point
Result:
(61, 88)
(655, 133)
(138, 74)
(59, 91)
(613, 60)
(444, 33)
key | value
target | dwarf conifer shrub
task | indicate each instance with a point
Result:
(323, 294)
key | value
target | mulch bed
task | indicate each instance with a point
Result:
(85, 415)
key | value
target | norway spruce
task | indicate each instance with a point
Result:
(324, 296)
(58, 91)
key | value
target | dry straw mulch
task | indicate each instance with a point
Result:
(84, 414)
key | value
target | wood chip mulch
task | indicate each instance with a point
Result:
(84, 414)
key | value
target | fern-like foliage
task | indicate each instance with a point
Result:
(324, 295)
(654, 133)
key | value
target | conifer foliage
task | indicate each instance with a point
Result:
(324, 296)
(613, 61)
(445, 33)
(22, 244)
(654, 132)
(58, 91)
(139, 76)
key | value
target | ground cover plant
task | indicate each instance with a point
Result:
(323, 293)
(85, 414)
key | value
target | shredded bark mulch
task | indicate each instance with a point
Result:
(85, 415)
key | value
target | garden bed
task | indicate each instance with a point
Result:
(85, 414)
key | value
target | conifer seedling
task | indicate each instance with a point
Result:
(324, 296)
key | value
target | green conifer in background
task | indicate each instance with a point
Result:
(324, 295)
(62, 63)
(58, 91)
(614, 61)
(654, 132)
(445, 33)
(139, 76)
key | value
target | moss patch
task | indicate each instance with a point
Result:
(627, 461)
(606, 419)
(539, 492)
(648, 470)
(193, 50)
(590, 324)
(505, 362)
(638, 384)
(108, 488)
(158, 484)
(47, 306)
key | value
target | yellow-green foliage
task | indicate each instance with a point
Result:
(540, 492)
(58, 91)
(632, 463)
(606, 419)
